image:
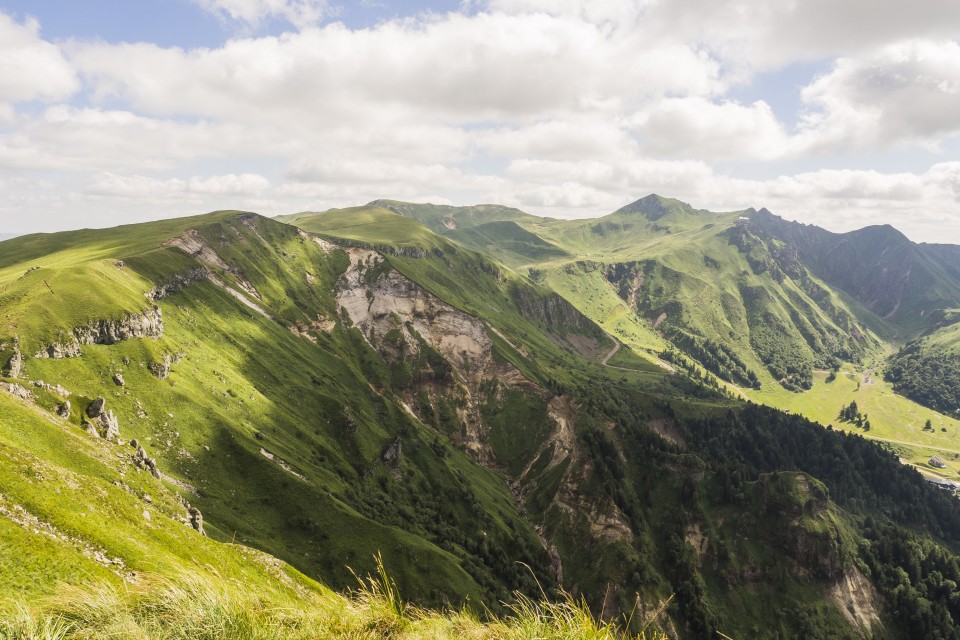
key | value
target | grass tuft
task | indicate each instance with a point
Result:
(204, 607)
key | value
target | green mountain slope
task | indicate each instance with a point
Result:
(340, 384)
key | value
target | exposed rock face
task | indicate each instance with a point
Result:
(148, 324)
(552, 311)
(52, 388)
(64, 410)
(196, 520)
(179, 282)
(104, 423)
(192, 243)
(383, 302)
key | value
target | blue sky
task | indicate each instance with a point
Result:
(839, 114)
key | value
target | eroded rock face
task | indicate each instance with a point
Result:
(148, 324)
(21, 392)
(397, 317)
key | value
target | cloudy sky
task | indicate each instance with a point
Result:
(841, 114)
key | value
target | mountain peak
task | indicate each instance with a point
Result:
(654, 207)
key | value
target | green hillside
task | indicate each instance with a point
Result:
(497, 405)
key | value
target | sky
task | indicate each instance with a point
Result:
(839, 114)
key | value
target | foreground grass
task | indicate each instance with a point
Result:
(200, 607)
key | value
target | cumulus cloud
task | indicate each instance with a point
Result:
(703, 128)
(30, 67)
(148, 188)
(454, 67)
(903, 92)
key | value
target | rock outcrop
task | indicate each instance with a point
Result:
(118, 379)
(196, 520)
(15, 364)
(142, 461)
(148, 324)
(64, 410)
(179, 282)
(161, 369)
(19, 391)
(102, 422)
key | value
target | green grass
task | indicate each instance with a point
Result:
(195, 607)
(373, 225)
(894, 419)
(243, 377)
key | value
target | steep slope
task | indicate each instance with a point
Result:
(279, 439)
(742, 306)
(898, 280)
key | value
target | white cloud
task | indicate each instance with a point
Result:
(695, 127)
(765, 35)
(454, 67)
(30, 67)
(144, 187)
(901, 93)
(88, 139)
(300, 13)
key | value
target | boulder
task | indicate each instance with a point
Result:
(95, 408)
(196, 519)
(118, 379)
(109, 426)
(392, 454)
(64, 410)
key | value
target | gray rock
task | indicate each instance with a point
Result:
(95, 408)
(141, 460)
(21, 392)
(118, 379)
(392, 454)
(179, 282)
(15, 365)
(148, 324)
(64, 410)
(109, 426)
(196, 519)
(161, 369)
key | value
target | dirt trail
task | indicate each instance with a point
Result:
(613, 352)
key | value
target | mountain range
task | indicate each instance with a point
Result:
(493, 406)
